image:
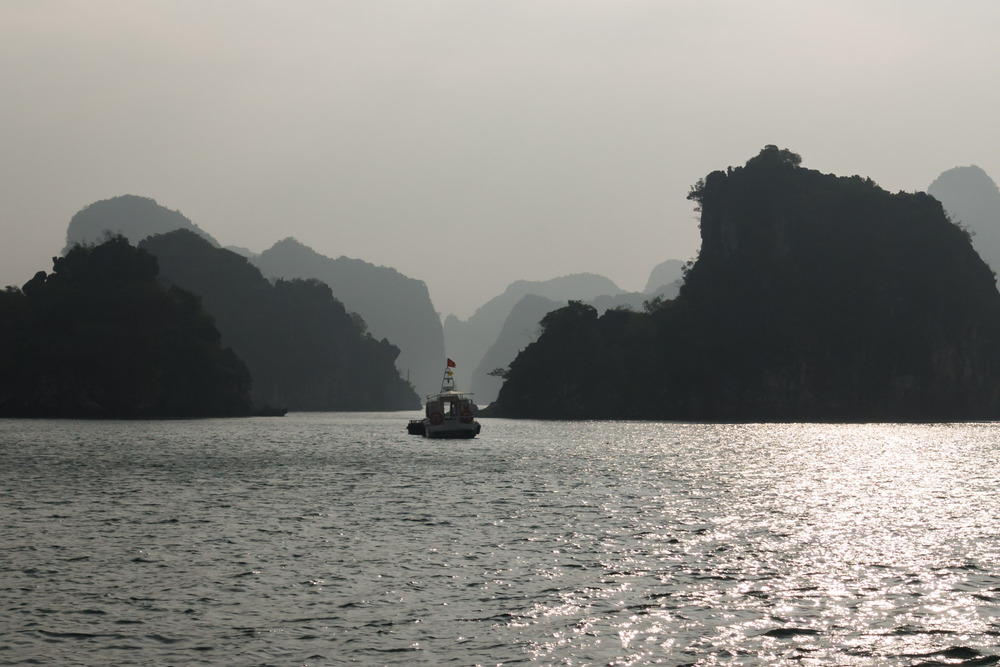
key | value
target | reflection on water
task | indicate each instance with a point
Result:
(326, 539)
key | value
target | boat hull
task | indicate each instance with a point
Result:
(425, 428)
(470, 430)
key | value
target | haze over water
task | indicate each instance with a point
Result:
(502, 140)
(330, 538)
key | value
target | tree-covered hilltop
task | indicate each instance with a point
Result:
(303, 349)
(131, 216)
(100, 336)
(814, 297)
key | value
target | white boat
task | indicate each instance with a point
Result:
(448, 414)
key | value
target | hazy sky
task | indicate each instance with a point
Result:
(466, 143)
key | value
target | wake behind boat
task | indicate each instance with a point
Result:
(448, 414)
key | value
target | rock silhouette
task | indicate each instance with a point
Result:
(814, 297)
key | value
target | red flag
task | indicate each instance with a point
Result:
(451, 364)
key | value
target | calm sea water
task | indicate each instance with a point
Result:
(320, 539)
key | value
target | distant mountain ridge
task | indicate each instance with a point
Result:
(134, 217)
(972, 200)
(520, 328)
(303, 349)
(670, 272)
(392, 305)
(523, 325)
(506, 323)
(468, 340)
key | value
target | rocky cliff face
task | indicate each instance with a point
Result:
(814, 297)
(303, 349)
(393, 306)
(865, 303)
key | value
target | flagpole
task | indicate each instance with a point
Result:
(448, 381)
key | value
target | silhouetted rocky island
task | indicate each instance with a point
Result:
(814, 297)
(120, 332)
(100, 336)
(305, 351)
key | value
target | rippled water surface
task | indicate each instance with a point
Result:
(320, 539)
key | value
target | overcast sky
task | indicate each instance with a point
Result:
(465, 143)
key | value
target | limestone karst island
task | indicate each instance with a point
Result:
(814, 297)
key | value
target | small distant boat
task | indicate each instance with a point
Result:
(448, 414)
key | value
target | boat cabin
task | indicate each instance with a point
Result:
(451, 406)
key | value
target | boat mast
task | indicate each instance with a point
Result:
(448, 381)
